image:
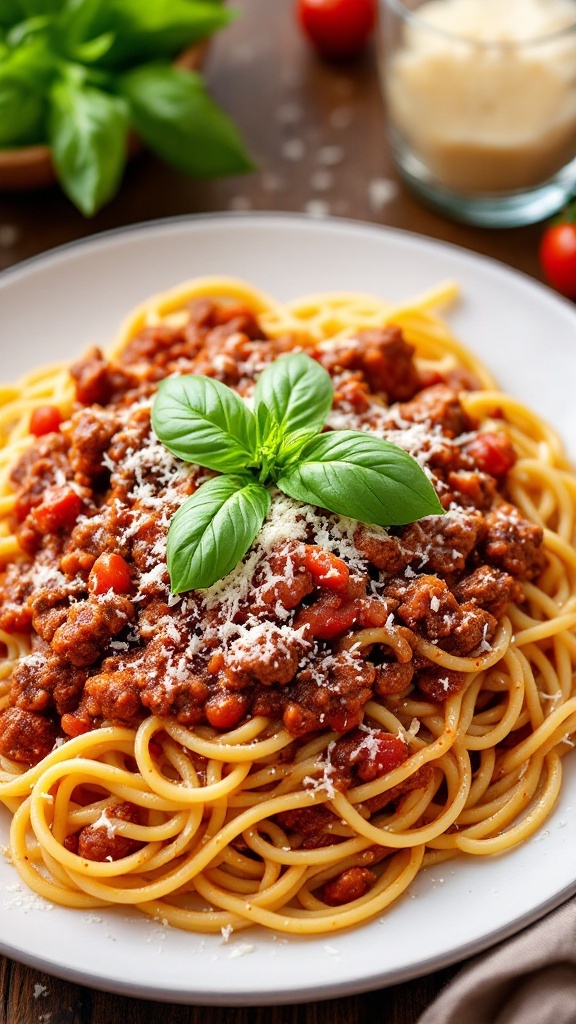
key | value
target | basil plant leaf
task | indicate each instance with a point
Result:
(363, 477)
(212, 531)
(148, 29)
(34, 8)
(297, 391)
(22, 112)
(201, 420)
(87, 133)
(173, 113)
(11, 12)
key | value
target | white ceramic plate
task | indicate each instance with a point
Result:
(52, 308)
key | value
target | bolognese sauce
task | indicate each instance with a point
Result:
(286, 634)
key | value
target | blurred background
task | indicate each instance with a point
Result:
(315, 129)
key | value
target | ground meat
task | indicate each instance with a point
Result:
(470, 489)
(384, 359)
(426, 605)
(91, 431)
(392, 677)
(437, 406)
(89, 625)
(99, 842)
(337, 706)
(43, 681)
(438, 684)
(352, 884)
(418, 780)
(15, 587)
(25, 736)
(112, 696)
(98, 381)
(270, 656)
(291, 580)
(489, 588)
(104, 532)
(310, 823)
(363, 755)
(49, 608)
(381, 549)
(443, 543)
(513, 543)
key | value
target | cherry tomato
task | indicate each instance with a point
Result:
(109, 572)
(558, 254)
(45, 419)
(337, 28)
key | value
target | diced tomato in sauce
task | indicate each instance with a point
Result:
(492, 453)
(110, 572)
(59, 510)
(327, 569)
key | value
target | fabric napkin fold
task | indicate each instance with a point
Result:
(529, 979)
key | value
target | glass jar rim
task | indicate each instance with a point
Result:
(400, 8)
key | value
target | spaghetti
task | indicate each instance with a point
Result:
(290, 747)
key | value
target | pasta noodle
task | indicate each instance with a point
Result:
(299, 829)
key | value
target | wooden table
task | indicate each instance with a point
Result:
(317, 133)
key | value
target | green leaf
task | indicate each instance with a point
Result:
(22, 112)
(363, 477)
(32, 64)
(90, 51)
(87, 133)
(34, 8)
(173, 113)
(25, 76)
(212, 531)
(297, 391)
(150, 29)
(201, 420)
(11, 12)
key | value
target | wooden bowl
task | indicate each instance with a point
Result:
(30, 167)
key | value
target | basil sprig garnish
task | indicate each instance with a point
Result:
(279, 444)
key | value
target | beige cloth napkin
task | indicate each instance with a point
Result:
(529, 979)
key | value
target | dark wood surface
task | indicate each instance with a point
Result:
(318, 136)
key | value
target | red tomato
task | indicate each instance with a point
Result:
(45, 419)
(109, 572)
(327, 570)
(492, 453)
(384, 752)
(337, 28)
(558, 256)
(59, 510)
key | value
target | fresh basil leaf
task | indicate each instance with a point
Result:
(26, 73)
(201, 420)
(148, 29)
(213, 530)
(87, 132)
(363, 477)
(32, 63)
(11, 12)
(173, 113)
(24, 31)
(91, 50)
(22, 113)
(290, 449)
(33, 8)
(297, 391)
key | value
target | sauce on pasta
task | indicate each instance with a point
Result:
(350, 704)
